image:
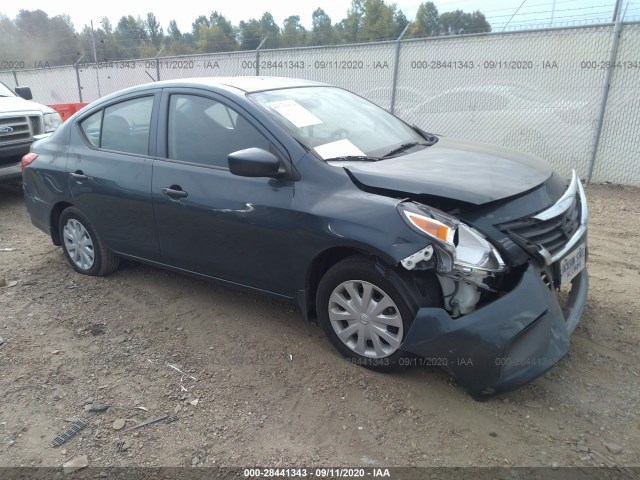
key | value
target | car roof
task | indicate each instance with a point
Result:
(255, 84)
(237, 85)
(245, 84)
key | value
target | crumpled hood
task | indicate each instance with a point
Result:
(469, 172)
(18, 104)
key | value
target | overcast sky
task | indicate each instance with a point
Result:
(498, 12)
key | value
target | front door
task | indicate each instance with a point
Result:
(210, 221)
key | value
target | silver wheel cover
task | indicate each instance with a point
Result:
(78, 244)
(365, 319)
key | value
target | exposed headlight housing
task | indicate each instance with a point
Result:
(51, 121)
(458, 245)
(473, 250)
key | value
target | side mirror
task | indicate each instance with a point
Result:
(254, 162)
(24, 92)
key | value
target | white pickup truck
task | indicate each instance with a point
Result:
(21, 122)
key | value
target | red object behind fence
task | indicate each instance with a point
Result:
(67, 109)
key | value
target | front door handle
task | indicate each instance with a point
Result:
(78, 176)
(174, 192)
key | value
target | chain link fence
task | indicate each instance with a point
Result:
(525, 91)
(618, 155)
(540, 91)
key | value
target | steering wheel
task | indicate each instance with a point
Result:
(339, 134)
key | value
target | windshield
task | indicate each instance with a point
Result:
(5, 92)
(336, 123)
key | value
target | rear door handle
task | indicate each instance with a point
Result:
(174, 192)
(78, 176)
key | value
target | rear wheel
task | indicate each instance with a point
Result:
(84, 250)
(363, 314)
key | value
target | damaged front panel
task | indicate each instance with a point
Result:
(466, 263)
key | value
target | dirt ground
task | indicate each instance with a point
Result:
(260, 386)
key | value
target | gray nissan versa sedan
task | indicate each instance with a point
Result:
(409, 248)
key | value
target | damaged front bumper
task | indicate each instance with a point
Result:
(505, 344)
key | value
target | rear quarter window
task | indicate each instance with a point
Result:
(91, 127)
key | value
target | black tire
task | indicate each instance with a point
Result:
(362, 268)
(104, 261)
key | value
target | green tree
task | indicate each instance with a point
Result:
(178, 43)
(459, 22)
(199, 22)
(350, 27)
(323, 32)
(105, 23)
(293, 33)
(377, 22)
(401, 21)
(107, 43)
(33, 36)
(33, 31)
(250, 34)
(478, 23)
(213, 39)
(173, 32)
(63, 47)
(427, 22)
(253, 31)
(9, 44)
(39, 40)
(270, 30)
(107, 47)
(154, 30)
(130, 33)
(225, 25)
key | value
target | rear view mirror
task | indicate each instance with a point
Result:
(254, 162)
(24, 92)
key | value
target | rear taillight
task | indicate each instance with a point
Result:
(28, 160)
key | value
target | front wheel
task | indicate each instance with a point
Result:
(363, 314)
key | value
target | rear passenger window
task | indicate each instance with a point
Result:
(204, 131)
(123, 127)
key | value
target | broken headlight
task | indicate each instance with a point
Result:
(473, 250)
(458, 245)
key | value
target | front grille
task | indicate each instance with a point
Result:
(552, 234)
(36, 124)
(15, 129)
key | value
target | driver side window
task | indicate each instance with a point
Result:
(204, 131)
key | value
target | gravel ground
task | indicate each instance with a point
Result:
(251, 383)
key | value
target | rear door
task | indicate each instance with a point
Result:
(109, 173)
(210, 221)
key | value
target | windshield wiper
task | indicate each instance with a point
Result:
(351, 158)
(430, 137)
(402, 148)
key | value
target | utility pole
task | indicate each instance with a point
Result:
(396, 63)
(95, 59)
(553, 13)
(258, 56)
(613, 52)
(76, 65)
(616, 9)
